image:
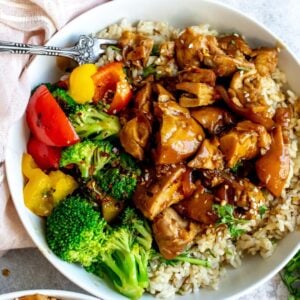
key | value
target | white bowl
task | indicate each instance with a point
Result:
(254, 270)
(62, 295)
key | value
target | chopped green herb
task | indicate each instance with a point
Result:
(115, 48)
(232, 42)
(211, 253)
(236, 167)
(236, 232)
(291, 277)
(151, 69)
(225, 213)
(184, 257)
(155, 50)
(262, 210)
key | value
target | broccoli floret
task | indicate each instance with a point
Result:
(75, 231)
(124, 261)
(117, 185)
(138, 226)
(90, 121)
(89, 156)
(128, 163)
(119, 179)
(65, 101)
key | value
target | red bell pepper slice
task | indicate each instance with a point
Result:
(112, 77)
(46, 157)
(47, 121)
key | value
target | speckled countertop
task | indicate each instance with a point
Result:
(30, 270)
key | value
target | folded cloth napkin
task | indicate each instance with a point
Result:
(27, 21)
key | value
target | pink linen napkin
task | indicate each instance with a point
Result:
(27, 21)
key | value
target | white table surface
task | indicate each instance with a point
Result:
(30, 270)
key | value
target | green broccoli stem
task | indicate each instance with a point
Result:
(141, 256)
(123, 273)
(146, 238)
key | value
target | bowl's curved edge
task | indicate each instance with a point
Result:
(267, 277)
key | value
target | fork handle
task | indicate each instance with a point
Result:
(19, 48)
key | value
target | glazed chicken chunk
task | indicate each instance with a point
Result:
(265, 60)
(143, 101)
(191, 48)
(179, 135)
(208, 156)
(197, 75)
(234, 45)
(213, 119)
(163, 94)
(273, 167)
(136, 48)
(135, 135)
(161, 194)
(194, 49)
(225, 65)
(199, 94)
(247, 86)
(245, 141)
(172, 233)
(198, 207)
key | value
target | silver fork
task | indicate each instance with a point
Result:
(86, 50)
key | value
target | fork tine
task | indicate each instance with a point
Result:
(104, 42)
(108, 42)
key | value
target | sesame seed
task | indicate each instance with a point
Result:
(223, 202)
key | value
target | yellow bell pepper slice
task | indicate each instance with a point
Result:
(81, 84)
(63, 185)
(42, 192)
(37, 193)
(28, 165)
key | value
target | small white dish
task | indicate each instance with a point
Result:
(254, 270)
(61, 295)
